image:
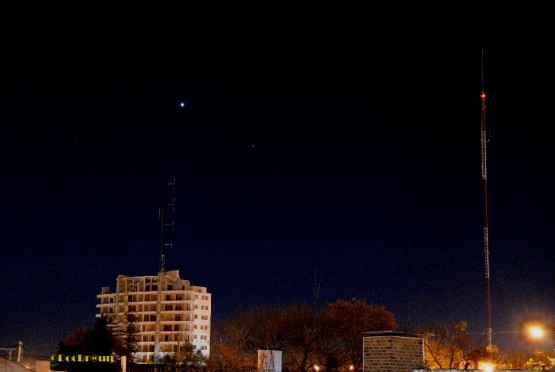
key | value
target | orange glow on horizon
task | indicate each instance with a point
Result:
(486, 366)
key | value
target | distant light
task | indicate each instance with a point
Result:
(486, 367)
(316, 368)
(536, 332)
(483, 95)
(181, 104)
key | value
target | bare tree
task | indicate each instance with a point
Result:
(447, 345)
(331, 337)
(348, 320)
(229, 347)
(303, 332)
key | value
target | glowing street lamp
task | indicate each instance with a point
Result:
(536, 332)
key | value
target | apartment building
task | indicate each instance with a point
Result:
(169, 312)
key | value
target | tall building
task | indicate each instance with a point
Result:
(169, 312)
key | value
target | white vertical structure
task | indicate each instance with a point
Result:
(169, 311)
(269, 361)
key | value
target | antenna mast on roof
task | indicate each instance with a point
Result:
(485, 202)
(165, 215)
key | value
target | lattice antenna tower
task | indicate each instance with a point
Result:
(316, 292)
(485, 203)
(165, 215)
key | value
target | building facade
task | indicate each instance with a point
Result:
(169, 312)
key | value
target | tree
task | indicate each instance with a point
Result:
(263, 328)
(187, 358)
(331, 337)
(228, 349)
(514, 359)
(449, 346)
(128, 336)
(539, 361)
(98, 340)
(304, 331)
(348, 319)
(125, 333)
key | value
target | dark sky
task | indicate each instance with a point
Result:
(295, 155)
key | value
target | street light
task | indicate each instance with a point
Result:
(536, 332)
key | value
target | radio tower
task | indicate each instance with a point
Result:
(485, 202)
(165, 214)
(166, 228)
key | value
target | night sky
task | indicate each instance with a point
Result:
(303, 156)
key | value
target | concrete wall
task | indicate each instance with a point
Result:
(8, 366)
(42, 366)
(39, 366)
(392, 352)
